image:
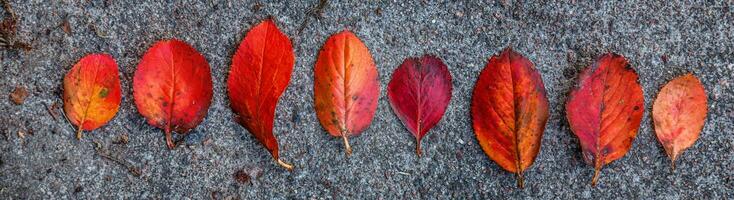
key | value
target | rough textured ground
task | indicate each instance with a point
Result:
(661, 40)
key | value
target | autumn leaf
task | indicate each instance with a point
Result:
(509, 111)
(679, 113)
(92, 92)
(604, 110)
(419, 92)
(261, 70)
(345, 86)
(173, 87)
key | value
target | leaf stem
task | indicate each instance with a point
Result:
(346, 144)
(597, 169)
(79, 133)
(169, 138)
(418, 147)
(285, 165)
(520, 180)
(672, 164)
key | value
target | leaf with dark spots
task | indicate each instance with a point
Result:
(260, 72)
(92, 92)
(419, 92)
(604, 112)
(172, 87)
(509, 111)
(344, 68)
(679, 113)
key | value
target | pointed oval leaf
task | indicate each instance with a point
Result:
(172, 87)
(261, 70)
(509, 111)
(419, 92)
(345, 86)
(605, 109)
(92, 92)
(679, 113)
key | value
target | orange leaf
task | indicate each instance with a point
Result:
(173, 87)
(679, 113)
(509, 111)
(261, 70)
(604, 110)
(92, 92)
(345, 86)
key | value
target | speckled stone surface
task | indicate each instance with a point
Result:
(661, 40)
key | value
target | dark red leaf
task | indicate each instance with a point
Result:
(419, 92)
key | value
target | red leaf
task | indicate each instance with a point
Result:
(345, 86)
(679, 113)
(261, 70)
(92, 92)
(173, 87)
(604, 110)
(419, 92)
(509, 111)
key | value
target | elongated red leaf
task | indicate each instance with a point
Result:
(604, 110)
(92, 92)
(679, 113)
(345, 86)
(419, 92)
(261, 70)
(509, 111)
(173, 87)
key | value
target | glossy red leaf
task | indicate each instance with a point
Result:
(92, 92)
(419, 92)
(261, 70)
(172, 87)
(604, 110)
(679, 113)
(509, 111)
(345, 86)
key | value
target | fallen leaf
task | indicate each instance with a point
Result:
(261, 70)
(509, 111)
(679, 113)
(92, 92)
(419, 92)
(18, 95)
(172, 87)
(345, 86)
(604, 110)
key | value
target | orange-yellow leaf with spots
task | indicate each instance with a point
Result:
(345, 86)
(92, 92)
